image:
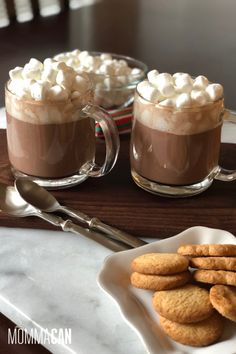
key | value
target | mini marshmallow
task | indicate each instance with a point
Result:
(48, 62)
(29, 73)
(16, 73)
(35, 64)
(136, 72)
(82, 55)
(17, 87)
(163, 83)
(178, 74)
(183, 100)
(166, 89)
(152, 76)
(200, 83)
(49, 74)
(164, 78)
(38, 91)
(148, 92)
(200, 97)
(183, 83)
(215, 91)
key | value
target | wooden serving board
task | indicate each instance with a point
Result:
(116, 200)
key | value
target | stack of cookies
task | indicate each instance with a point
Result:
(187, 315)
(216, 264)
(160, 271)
(190, 314)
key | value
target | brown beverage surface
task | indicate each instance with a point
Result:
(50, 150)
(173, 159)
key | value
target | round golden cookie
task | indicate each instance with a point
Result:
(160, 263)
(207, 250)
(187, 304)
(159, 282)
(223, 299)
(197, 334)
(216, 263)
(215, 276)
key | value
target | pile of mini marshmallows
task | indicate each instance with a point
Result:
(104, 65)
(178, 90)
(50, 80)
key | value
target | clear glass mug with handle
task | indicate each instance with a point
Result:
(54, 143)
(175, 151)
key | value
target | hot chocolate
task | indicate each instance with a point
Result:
(171, 158)
(50, 150)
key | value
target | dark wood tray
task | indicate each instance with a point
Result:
(116, 200)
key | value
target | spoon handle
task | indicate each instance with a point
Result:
(115, 246)
(96, 224)
(68, 225)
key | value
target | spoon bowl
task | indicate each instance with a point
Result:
(36, 196)
(12, 203)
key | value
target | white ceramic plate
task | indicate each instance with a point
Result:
(136, 305)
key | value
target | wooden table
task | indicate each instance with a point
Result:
(185, 35)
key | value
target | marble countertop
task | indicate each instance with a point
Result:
(48, 281)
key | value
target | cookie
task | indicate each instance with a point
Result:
(216, 263)
(215, 277)
(159, 282)
(207, 250)
(160, 263)
(187, 304)
(195, 334)
(223, 299)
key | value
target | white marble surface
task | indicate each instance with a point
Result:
(48, 280)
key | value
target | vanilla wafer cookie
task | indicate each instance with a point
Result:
(197, 334)
(223, 277)
(160, 263)
(223, 299)
(226, 250)
(159, 282)
(214, 263)
(187, 304)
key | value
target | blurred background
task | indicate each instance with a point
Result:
(182, 35)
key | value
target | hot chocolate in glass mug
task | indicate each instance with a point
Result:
(176, 134)
(51, 125)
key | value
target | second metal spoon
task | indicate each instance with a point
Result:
(45, 201)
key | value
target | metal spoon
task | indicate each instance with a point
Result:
(12, 204)
(45, 201)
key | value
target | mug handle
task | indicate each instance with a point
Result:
(111, 136)
(223, 174)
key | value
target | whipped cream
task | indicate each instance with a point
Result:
(178, 90)
(50, 80)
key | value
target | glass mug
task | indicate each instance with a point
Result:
(53, 142)
(175, 152)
